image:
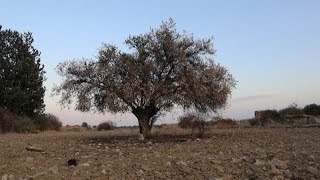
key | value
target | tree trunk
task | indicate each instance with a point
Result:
(144, 116)
(145, 127)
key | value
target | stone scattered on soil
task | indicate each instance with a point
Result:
(312, 170)
(279, 164)
(72, 162)
(34, 149)
(118, 154)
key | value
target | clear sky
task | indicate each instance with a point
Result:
(272, 47)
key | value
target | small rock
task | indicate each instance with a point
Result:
(112, 177)
(181, 163)
(85, 165)
(278, 164)
(294, 154)
(34, 149)
(259, 162)
(304, 153)
(38, 175)
(279, 177)
(149, 143)
(168, 164)
(72, 162)
(211, 157)
(312, 170)
(103, 171)
(215, 162)
(77, 154)
(4, 177)
(275, 171)
(227, 177)
(311, 158)
(29, 159)
(287, 174)
(11, 177)
(145, 168)
(140, 172)
(235, 160)
(54, 169)
(219, 169)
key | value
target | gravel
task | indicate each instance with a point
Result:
(118, 154)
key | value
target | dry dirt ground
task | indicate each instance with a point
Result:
(171, 154)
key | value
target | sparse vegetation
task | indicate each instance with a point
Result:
(292, 109)
(24, 125)
(221, 123)
(193, 121)
(7, 120)
(10, 122)
(48, 122)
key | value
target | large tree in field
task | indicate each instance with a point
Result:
(21, 74)
(162, 69)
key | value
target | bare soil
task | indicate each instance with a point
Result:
(290, 153)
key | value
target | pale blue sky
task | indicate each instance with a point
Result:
(271, 47)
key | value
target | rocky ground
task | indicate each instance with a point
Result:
(224, 154)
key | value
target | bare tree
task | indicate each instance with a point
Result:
(163, 69)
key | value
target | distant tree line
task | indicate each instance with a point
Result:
(279, 115)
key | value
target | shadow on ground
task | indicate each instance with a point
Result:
(162, 138)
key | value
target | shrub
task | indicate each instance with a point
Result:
(292, 109)
(47, 122)
(185, 121)
(224, 123)
(312, 109)
(109, 125)
(193, 121)
(7, 119)
(24, 125)
(85, 125)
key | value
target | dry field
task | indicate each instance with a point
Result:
(171, 154)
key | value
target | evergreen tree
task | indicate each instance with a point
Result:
(21, 74)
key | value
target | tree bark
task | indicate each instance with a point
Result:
(144, 116)
(145, 127)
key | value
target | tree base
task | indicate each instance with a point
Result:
(141, 137)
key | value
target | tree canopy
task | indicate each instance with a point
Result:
(21, 74)
(162, 69)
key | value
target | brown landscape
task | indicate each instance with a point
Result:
(171, 153)
(216, 91)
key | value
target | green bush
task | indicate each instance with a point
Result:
(7, 119)
(85, 125)
(312, 109)
(24, 125)
(292, 109)
(106, 126)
